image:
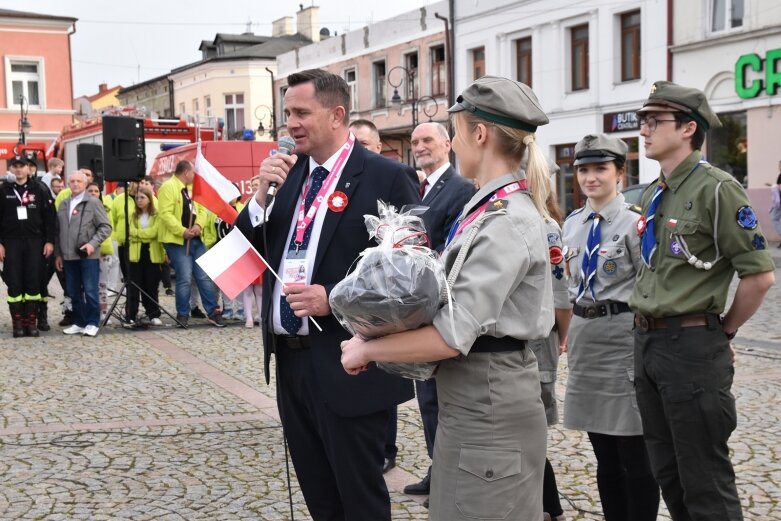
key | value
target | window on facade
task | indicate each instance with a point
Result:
(567, 188)
(207, 103)
(478, 63)
(379, 84)
(523, 60)
(726, 14)
(196, 107)
(234, 114)
(438, 71)
(182, 110)
(351, 77)
(630, 46)
(411, 64)
(282, 91)
(25, 78)
(579, 56)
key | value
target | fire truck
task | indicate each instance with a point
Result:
(159, 135)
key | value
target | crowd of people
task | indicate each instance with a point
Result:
(634, 295)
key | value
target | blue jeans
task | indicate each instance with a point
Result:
(185, 267)
(81, 279)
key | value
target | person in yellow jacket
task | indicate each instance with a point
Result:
(181, 228)
(107, 257)
(146, 255)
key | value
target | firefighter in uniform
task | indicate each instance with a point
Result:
(27, 231)
(697, 230)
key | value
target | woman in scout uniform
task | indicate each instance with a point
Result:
(489, 452)
(602, 250)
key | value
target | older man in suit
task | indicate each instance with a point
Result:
(315, 229)
(445, 193)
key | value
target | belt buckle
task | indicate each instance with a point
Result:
(642, 323)
(591, 312)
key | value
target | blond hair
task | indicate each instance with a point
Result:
(511, 143)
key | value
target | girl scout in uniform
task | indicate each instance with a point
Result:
(489, 452)
(602, 251)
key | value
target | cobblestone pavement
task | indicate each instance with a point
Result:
(171, 424)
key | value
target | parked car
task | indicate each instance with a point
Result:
(632, 194)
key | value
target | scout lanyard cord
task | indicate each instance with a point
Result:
(694, 261)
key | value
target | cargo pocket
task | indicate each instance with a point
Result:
(488, 482)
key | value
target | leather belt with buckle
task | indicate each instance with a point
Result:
(600, 310)
(644, 323)
(293, 342)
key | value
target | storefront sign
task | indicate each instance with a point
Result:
(748, 85)
(620, 121)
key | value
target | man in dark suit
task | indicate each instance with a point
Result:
(315, 229)
(445, 193)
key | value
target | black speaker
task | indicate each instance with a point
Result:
(90, 155)
(124, 153)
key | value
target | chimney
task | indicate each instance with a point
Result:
(102, 88)
(308, 22)
(282, 26)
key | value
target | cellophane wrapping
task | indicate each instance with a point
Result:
(395, 286)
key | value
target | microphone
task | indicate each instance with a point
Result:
(286, 146)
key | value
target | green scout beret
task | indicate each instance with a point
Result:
(503, 101)
(667, 96)
(600, 149)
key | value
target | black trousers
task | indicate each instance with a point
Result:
(683, 378)
(550, 492)
(23, 268)
(426, 392)
(391, 450)
(338, 460)
(627, 488)
(147, 276)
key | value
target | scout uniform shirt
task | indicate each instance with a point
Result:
(618, 255)
(693, 209)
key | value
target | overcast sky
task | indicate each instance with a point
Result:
(125, 42)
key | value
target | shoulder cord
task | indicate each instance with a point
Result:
(694, 261)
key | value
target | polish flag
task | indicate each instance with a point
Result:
(232, 263)
(212, 190)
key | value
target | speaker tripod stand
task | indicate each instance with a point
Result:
(129, 282)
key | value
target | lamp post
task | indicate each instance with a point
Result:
(261, 128)
(24, 124)
(416, 102)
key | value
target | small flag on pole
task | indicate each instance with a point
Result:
(212, 190)
(232, 263)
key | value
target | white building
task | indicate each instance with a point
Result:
(731, 49)
(590, 63)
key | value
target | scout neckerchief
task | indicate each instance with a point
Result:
(588, 269)
(459, 224)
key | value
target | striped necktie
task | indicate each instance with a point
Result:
(588, 269)
(648, 241)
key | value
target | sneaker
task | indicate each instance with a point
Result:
(91, 331)
(227, 315)
(183, 319)
(215, 319)
(239, 316)
(197, 313)
(73, 330)
(156, 322)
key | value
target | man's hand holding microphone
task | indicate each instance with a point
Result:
(274, 170)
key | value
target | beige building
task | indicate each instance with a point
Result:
(403, 57)
(155, 96)
(233, 83)
(105, 99)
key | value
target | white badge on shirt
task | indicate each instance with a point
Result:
(294, 271)
(21, 213)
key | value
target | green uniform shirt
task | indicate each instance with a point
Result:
(693, 213)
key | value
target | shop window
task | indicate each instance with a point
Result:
(727, 147)
(630, 46)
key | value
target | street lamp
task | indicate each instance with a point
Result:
(261, 128)
(24, 125)
(396, 100)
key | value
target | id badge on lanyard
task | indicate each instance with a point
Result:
(295, 269)
(21, 211)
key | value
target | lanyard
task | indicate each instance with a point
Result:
(459, 225)
(23, 199)
(304, 220)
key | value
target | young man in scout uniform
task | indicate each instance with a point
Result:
(697, 230)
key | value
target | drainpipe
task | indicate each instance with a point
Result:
(669, 40)
(273, 106)
(70, 69)
(448, 58)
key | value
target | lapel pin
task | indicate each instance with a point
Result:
(337, 202)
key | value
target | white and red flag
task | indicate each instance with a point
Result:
(232, 263)
(212, 190)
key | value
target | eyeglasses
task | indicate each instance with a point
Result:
(651, 122)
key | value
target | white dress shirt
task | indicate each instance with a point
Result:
(256, 218)
(74, 203)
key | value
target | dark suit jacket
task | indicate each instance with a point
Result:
(366, 178)
(445, 201)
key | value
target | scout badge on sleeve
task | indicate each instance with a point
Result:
(746, 218)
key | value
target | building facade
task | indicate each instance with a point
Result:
(731, 49)
(401, 59)
(591, 65)
(105, 99)
(155, 96)
(36, 54)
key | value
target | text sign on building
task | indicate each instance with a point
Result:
(753, 74)
(620, 121)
